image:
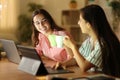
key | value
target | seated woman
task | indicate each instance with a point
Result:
(101, 50)
(44, 32)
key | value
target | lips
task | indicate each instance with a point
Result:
(43, 28)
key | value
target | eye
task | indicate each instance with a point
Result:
(44, 20)
(37, 23)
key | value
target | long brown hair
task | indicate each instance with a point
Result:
(54, 26)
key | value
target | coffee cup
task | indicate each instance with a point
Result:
(59, 41)
(52, 40)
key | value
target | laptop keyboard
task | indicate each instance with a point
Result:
(58, 71)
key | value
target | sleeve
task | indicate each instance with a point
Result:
(95, 57)
(91, 55)
(63, 33)
(38, 49)
(58, 54)
(83, 48)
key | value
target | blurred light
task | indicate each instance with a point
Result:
(0, 6)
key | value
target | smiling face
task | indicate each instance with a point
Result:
(42, 24)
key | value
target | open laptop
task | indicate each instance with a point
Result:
(11, 50)
(33, 64)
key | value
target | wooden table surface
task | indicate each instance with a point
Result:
(76, 74)
(9, 71)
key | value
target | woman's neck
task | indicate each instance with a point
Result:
(49, 33)
(94, 37)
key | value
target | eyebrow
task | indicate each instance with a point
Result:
(40, 20)
(43, 18)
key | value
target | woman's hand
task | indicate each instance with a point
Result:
(59, 66)
(48, 62)
(68, 42)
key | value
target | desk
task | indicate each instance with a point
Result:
(76, 74)
(9, 71)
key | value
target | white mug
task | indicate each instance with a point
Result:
(59, 41)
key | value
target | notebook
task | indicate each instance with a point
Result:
(11, 50)
(33, 64)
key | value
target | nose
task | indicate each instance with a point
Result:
(41, 24)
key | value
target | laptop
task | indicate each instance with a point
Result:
(11, 50)
(33, 64)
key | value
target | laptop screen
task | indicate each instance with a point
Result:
(31, 62)
(28, 51)
(10, 50)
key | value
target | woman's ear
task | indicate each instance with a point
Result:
(88, 25)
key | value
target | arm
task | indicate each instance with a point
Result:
(81, 61)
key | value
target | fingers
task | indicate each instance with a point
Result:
(66, 37)
(59, 66)
(64, 67)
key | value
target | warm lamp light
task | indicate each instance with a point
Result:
(73, 4)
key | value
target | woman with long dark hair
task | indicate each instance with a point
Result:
(44, 32)
(101, 50)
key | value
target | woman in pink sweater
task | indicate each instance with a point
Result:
(43, 27)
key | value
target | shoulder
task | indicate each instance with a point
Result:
(41, 36)
(85, 44)
(86, 41)
(63, 32)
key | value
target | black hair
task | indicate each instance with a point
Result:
(109, 43)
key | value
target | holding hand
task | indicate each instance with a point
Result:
(69, 42)
(59, 66)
